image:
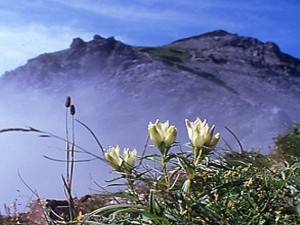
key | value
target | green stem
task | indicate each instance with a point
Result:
(188, 188)
(165, 171)
(132, 191)
(198, 155)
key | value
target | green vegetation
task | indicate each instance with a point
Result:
(197, 186)
(197, 183)
(213, 34)
(288, 145)
(171, 54)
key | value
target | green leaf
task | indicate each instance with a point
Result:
(187, 166)
(155, 208)
(111, 209)
(297, 206)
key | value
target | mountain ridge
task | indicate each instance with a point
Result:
(237, 70)
(226, 51)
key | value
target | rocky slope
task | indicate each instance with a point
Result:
(239, 82)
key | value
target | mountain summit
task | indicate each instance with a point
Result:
(247, 54)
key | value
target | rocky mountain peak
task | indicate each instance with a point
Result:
(218, 38)
(83, 60)
(226, 43)
(231, 51)
(77, 43)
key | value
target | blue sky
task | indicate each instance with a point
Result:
(32, 27)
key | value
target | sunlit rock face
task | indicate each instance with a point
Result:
(249, 86)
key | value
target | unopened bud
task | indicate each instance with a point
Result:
(68, 102)
(72, 110)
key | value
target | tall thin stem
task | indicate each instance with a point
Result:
(67, 146)
(72, 152)
(165, 171)
(130, 184)
(67, 105)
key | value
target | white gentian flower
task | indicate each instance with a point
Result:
(162, 135)
(117, 161)
(129, 158)
(200, 135)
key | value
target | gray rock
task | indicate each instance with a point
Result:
(77, 43)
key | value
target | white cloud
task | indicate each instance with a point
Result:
(127, 11)
(18, 44)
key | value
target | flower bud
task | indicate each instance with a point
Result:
(68, 102)
(170, 137)
(155, 136)
(113, 157)
(129, 158)
(215, 140)
(72, 110)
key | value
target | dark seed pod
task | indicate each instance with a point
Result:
(68, 102)
(72, 110)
